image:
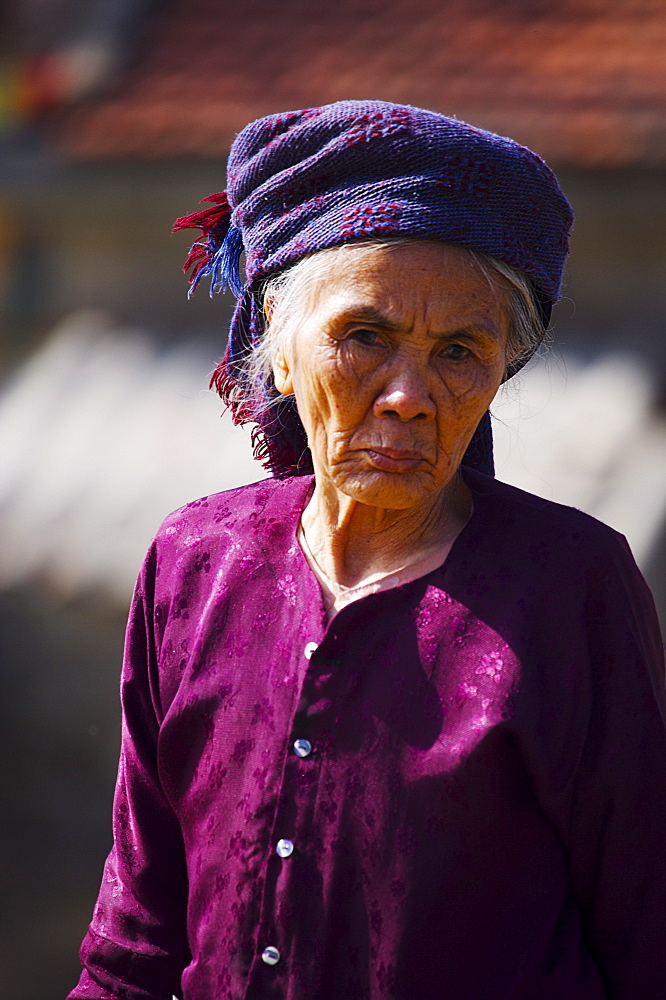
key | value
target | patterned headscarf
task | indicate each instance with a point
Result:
(305, 180)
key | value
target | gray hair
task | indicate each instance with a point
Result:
(288, 294)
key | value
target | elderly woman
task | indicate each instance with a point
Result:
(391, 730)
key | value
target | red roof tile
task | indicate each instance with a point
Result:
(581, 81)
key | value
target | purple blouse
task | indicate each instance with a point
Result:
(452, 791)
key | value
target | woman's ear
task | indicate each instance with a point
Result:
(282, 375)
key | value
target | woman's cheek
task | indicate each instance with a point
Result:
(354, 364)
(475, 383)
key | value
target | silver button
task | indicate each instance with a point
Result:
(309, 649)
(284, 848)
(270, 955)
(302, 748)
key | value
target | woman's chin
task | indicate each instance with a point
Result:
(390, 490)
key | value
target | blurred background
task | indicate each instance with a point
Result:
(116, 117)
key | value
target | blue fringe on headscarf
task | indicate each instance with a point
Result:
(224, 268)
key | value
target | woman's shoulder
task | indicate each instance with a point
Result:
(235, 513)
(235, 528)
(523, 519)
(558, 558)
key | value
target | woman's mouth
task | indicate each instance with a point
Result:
(394, 459)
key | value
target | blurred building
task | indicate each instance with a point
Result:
(116, 117)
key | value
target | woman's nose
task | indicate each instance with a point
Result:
(406, 395)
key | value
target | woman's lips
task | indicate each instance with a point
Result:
(394, 459)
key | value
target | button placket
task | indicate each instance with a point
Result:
(303, 747)
(284, 847)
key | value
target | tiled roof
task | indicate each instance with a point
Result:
(581, 81)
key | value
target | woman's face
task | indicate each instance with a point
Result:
(392, 368)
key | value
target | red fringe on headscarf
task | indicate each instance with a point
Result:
(227, 387)
(270, 444)
(214, 224)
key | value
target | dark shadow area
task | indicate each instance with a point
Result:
(59, 736)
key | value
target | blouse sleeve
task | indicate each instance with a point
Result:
(136, 945)
(618, 820)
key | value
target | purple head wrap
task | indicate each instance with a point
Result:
(305, 180)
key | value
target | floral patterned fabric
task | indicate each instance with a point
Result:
(481, 811)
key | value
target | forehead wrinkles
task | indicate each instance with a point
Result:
(406, 308)
(412, 283)
(423, 280)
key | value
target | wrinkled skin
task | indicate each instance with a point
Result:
(392, 368)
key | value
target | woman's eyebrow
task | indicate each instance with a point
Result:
(369, 314)
(471, 332)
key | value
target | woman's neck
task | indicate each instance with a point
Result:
(353, 543)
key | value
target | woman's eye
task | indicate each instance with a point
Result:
(456, 352)
(366, 337)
